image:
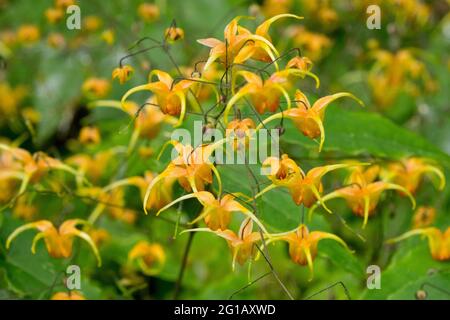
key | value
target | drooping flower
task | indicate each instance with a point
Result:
(191, 167)
(309, 119)
(72, 295)
(240, 131)
(89, 135)
(362, 193)
(28, 34)
(240, 44)
(409, 173)
(148, 12)
(29, 168)
(216, 212)
(170, 95)
(57, 241)
(123, 73)
(304, 188)
(173, 34)
(150, 257)
(242, 245)
(423, 217)
(303, 244)
(438, 241)
(95, 88)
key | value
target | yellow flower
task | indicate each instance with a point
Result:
(148, 12)
(309, 119)
(55, 40)
(89, 135)
(150, 257)
(57, 241)
(409, 173)
(306, 188)
(108, 36)
(11, 99)
(170, 95)
(264, 94)
(240, 131)
(241, 244)
(240, 44)
(216, 212)
(72, 295)
(174, 34)
(64, 3)
(303, 244)
(96, 88)
(28, 34)
(54, 15)
(92, 23)
(191, 167)
(423, 217)
(363, 193)
(438, 241)
(29, 168)
(313, 44)
(123, 73)
(24, 209)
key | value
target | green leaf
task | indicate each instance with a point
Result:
(411, 268)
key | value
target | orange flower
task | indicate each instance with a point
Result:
(303, 244)
(309, 120)
(149, 257)
(409, 173)
(58, 242)
(72, 295)
(423, 217)
(191, 167)
(216, 212)
(438, 241)
(54, 15)
(96, 88)
(306, 188)
(241, 244)
(123, 73)
(148, 12)
(170, 96)
(28, 34)
(89, 135)
(240, 131)
(174, 34)
(29, 168)
(240, 44)
(363, 193)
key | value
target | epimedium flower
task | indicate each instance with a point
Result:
(149, 257)
(173, 34)
(438, 241)
(362, 192)
(123, 73)
(304, 188)
(242, 245)
(29, 168)
(59, 241)
(303, 244)
(89, 135)
(216, 211)
(424, 217)
(170, 95)
(410, 172)
(309, 119)
(148, 12)
(264, 94)
(191, 167)
(240, 44)
(95, 88)
(71, 295)
(240, 131)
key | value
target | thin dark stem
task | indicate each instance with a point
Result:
(187, 249)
